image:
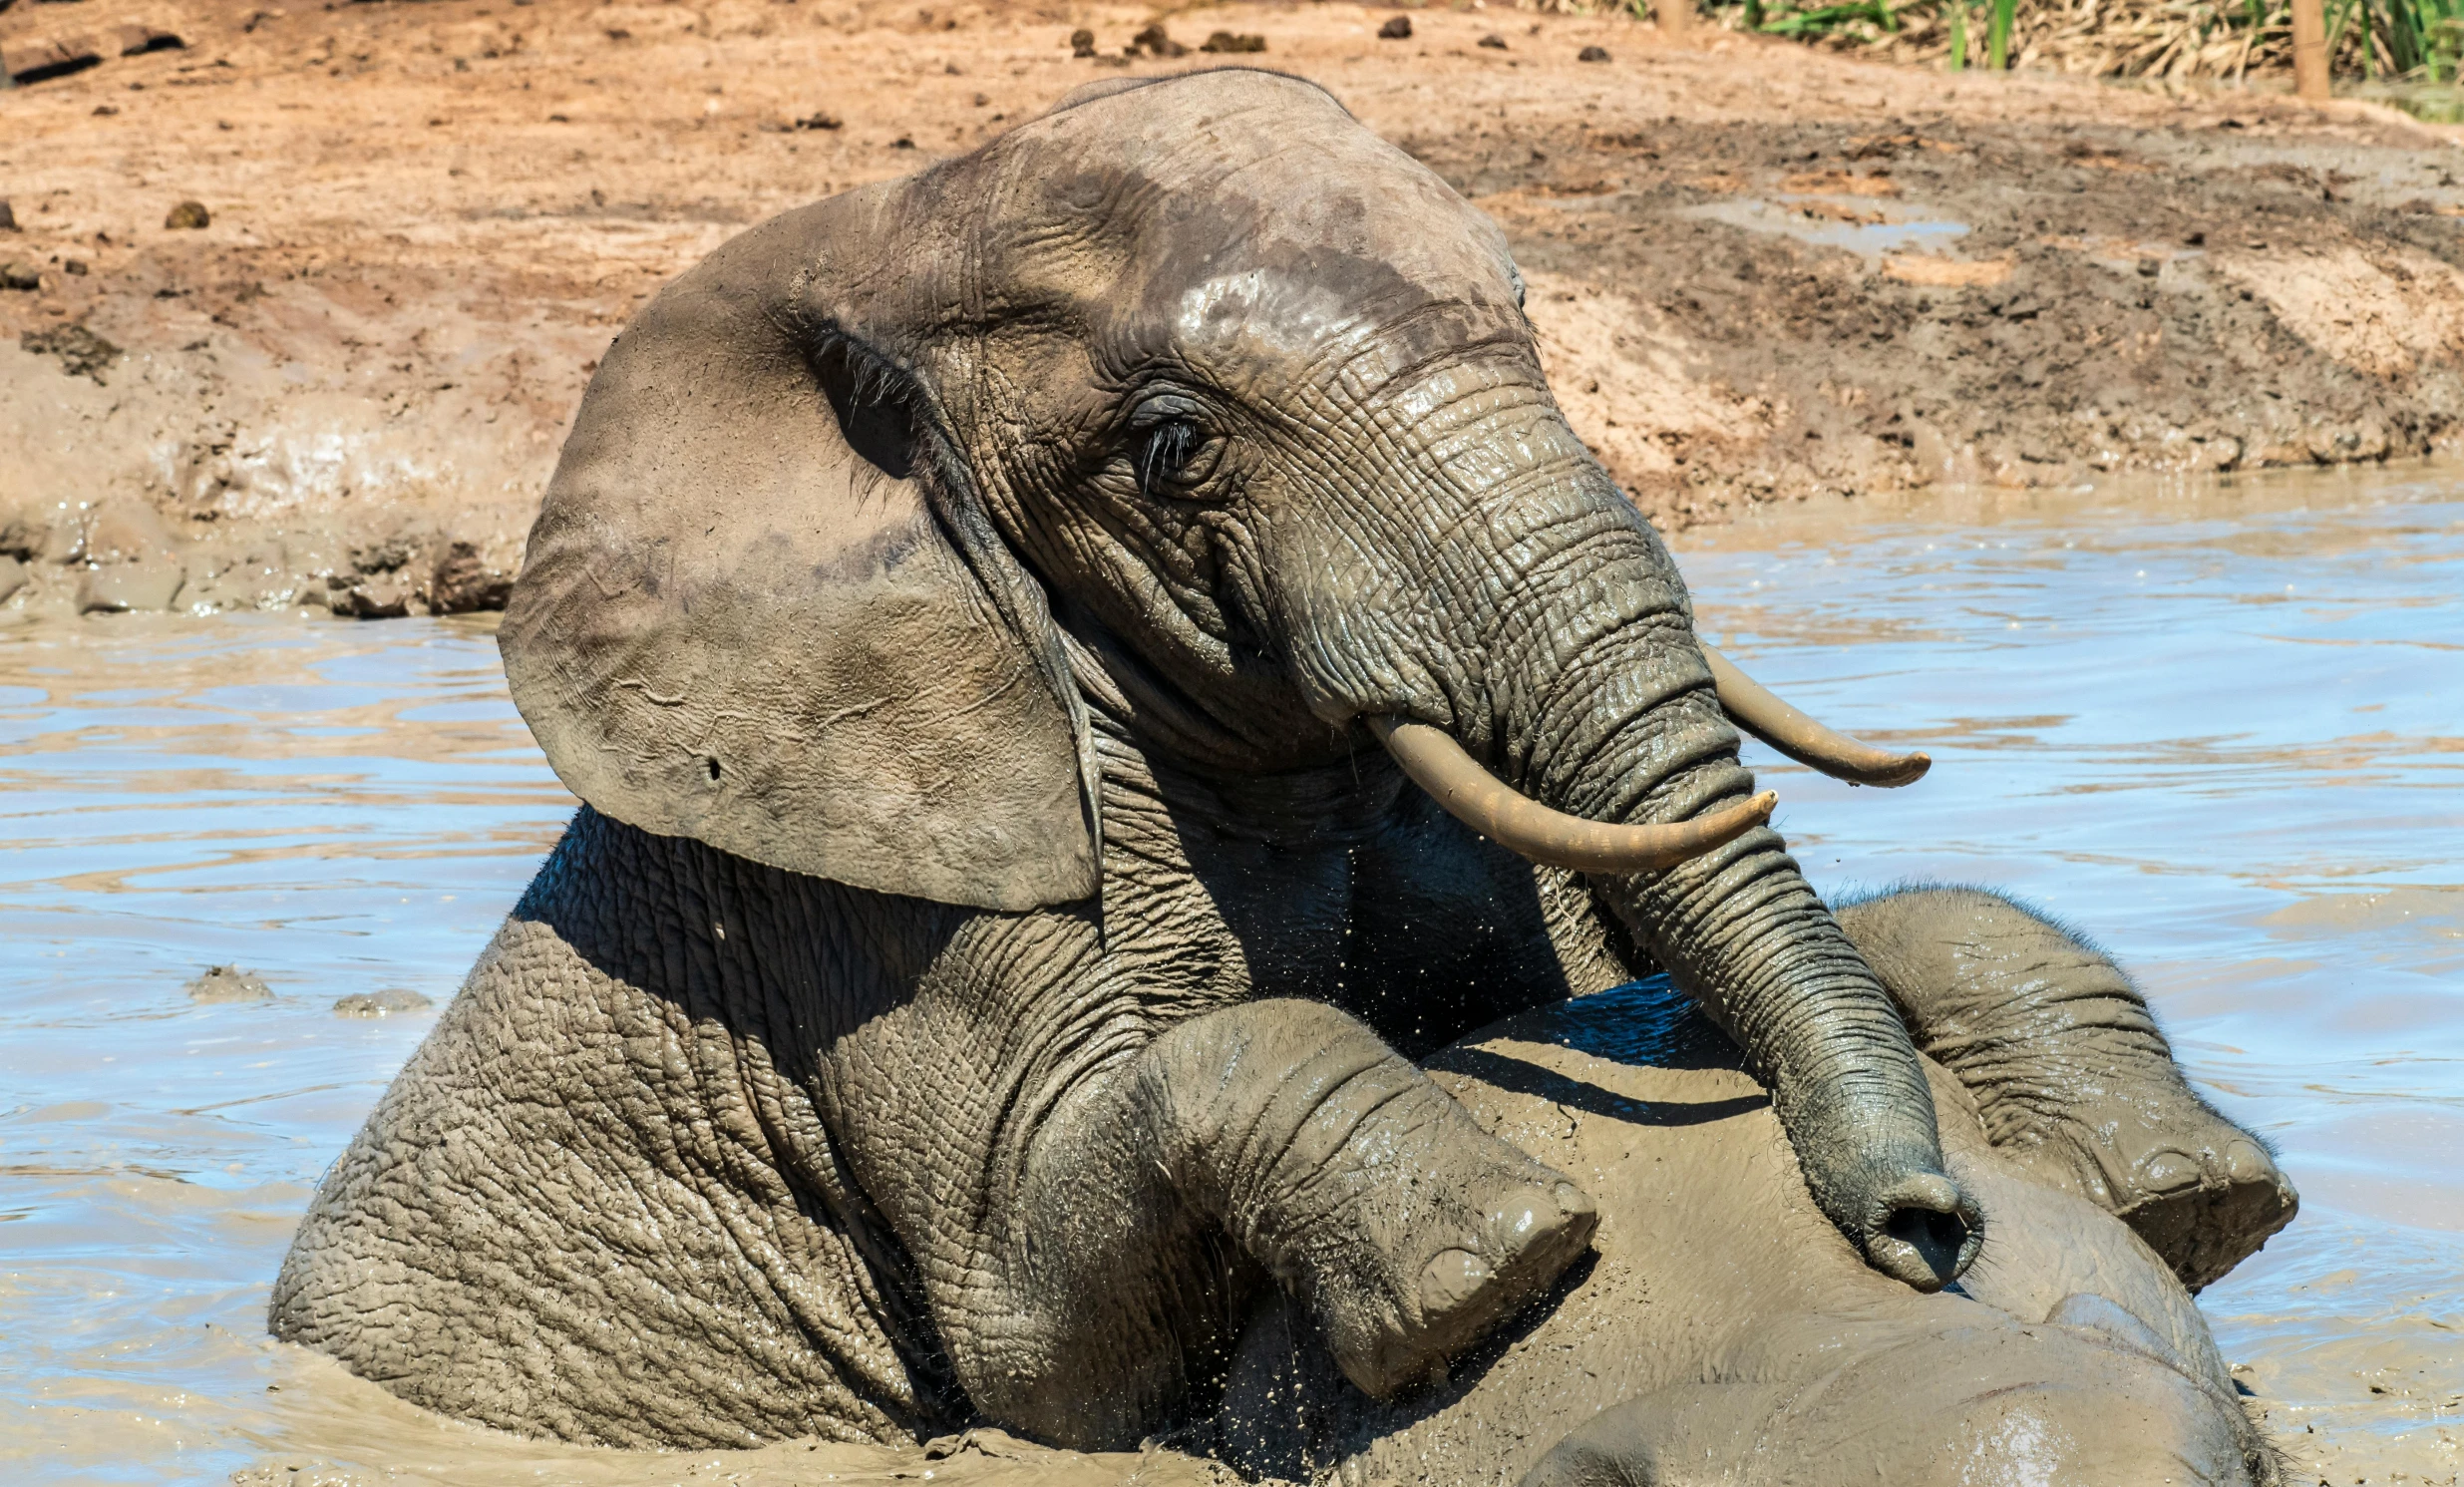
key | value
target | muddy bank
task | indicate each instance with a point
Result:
(1760, 272)
(1946, 299)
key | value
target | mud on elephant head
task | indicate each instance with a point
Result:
(1083, 663)
(1200, 388)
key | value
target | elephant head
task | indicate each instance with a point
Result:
(1195, 404)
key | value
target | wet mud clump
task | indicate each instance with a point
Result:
(229, 983)
(82, 353)
(390, 1002)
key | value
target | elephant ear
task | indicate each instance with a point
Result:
(762, 608)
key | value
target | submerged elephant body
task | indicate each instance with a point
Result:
(991, 617)
(1758, 1349)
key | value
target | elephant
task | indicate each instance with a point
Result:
(1081, 666)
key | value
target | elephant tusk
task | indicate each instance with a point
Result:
(1515, 822)
(1791, 732)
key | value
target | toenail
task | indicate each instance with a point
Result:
(2167, 1171)
(2245, 1163)
(1450, 1280)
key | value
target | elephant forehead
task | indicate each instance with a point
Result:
(1353, 319)
(1365, 230)
(1372, 211)
(1276, 310)
(1232, 190)
(1258, 144)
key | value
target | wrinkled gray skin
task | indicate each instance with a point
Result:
(993, 953)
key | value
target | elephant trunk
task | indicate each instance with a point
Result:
(1625, 726)
(1550, 638)
(1742, 934)
(1523, 608)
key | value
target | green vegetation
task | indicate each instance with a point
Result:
(2395, 44)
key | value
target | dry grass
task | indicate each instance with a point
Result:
(2149, 38)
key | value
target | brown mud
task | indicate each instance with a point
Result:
(1760, 271)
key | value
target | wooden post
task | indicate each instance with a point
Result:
(2309, 50)
(1675, 17)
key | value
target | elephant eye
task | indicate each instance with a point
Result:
(1167, 456)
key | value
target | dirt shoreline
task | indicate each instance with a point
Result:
(1759, 271)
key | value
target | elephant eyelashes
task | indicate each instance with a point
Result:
(873, 414)
(1166, 457)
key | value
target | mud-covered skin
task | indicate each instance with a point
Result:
(992, 949)
(1757, 1351)
(2072, 1077)
(641, 1038)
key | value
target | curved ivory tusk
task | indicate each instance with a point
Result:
(1791, 732)
(1515, 822)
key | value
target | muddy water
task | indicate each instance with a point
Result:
(2224, 731)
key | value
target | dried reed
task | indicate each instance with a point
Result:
(2388, 41)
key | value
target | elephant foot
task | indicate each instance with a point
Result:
(2201, 1191)
(1489, 1251)
(2072, 1079)
(1346, 1173)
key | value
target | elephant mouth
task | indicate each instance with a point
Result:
(1522, 825)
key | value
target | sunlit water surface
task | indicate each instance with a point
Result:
(2224, 731)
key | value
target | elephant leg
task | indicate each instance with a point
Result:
(2072, 1079)
(1290, 1132)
